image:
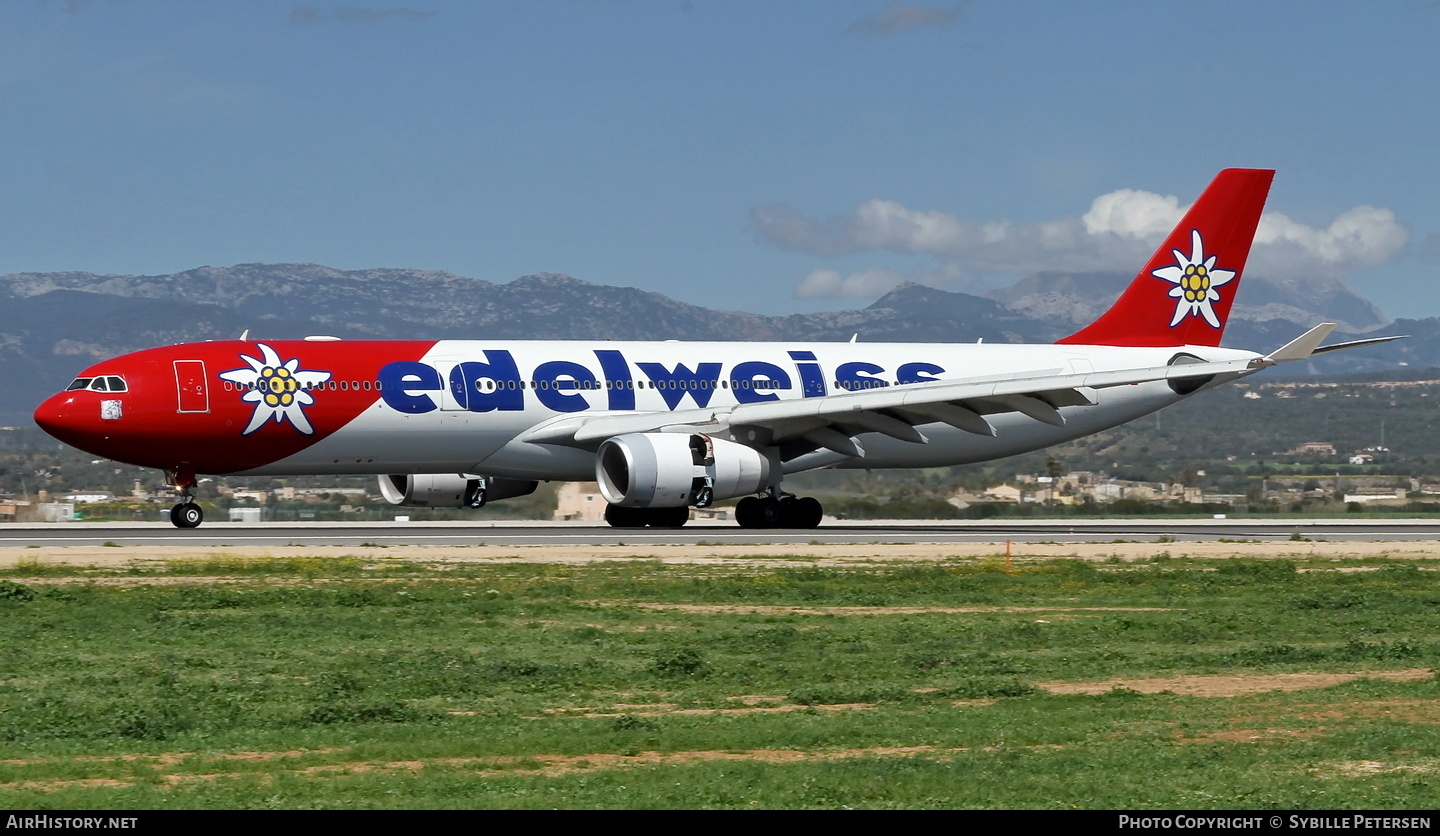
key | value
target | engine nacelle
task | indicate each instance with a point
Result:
(664, 470)
(450, 490)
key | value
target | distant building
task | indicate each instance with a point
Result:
(580, 501)
(56, 511)
(1369, 455)
(290, 493)
(1313, 448)
(1374, 496)
(20, 511)
(1003, 493)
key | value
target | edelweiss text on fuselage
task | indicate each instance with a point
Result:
(498, 385)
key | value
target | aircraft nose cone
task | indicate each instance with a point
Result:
(60, 417)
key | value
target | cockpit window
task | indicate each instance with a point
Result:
(109, 383)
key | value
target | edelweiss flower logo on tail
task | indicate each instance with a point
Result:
(1195, 278)
(278, 390)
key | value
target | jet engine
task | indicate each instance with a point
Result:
(661, 470)
(450, 490)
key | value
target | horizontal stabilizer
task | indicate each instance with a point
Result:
(1302, 346)
(1308, 345)
(1357, 343)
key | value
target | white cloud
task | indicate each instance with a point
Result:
(1132, 213)
(830, 284)
(1364, 236)
(1120, 230)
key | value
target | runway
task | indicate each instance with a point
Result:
(528, 533)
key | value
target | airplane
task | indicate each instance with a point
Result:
(664, 426)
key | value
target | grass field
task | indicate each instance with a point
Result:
(357, 682)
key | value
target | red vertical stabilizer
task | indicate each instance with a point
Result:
(1183, 295)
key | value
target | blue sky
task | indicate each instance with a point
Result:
(774, 156)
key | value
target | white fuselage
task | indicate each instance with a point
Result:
(466, 406)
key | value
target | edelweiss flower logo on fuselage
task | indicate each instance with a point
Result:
(278, 390)
(1195, 278)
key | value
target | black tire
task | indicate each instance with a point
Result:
(804, 512)
(187, 515)
(745, 512)
(667, 517)
(618, 516)
(770, 514)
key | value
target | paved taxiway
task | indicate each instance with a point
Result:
(526, 533)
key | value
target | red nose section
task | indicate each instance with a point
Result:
(66, 418)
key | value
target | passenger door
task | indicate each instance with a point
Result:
(190, 386)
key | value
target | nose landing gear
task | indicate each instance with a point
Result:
(185, 514)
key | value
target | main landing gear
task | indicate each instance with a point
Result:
(618, 516)
(769, 511)
(782, 511)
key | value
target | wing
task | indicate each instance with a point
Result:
(833, 421)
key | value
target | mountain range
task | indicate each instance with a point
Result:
(52, 325)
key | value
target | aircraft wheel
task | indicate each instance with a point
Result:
(667, 517)
(187, 515)
(618, 516)
(745, 512)
(803, 512)
(770, 513)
